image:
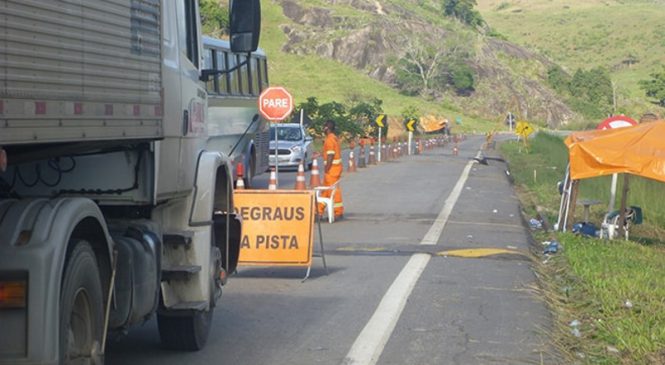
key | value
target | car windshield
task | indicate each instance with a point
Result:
(291, 134)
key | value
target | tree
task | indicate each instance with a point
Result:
(461, 78)
(464, 11)
(655, 88)
(214, 18)
(591, 92)
(364, 112)
(428, 65)
(349, 121)
(558, 79)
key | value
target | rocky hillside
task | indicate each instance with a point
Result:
(373, 35)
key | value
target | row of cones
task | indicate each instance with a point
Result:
(389, 151)
(315, 177)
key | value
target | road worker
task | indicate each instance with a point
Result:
(332, 160)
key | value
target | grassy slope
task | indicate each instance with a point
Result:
(585, 34)
(329, 80)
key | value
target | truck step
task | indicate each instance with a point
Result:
(183, 238)
(180, 272)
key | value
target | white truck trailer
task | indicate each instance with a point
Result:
(113, 205)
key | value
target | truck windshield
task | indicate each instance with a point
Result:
(286, 134)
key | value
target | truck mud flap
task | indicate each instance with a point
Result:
(230, 256)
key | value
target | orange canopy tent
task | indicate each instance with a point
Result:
(637, 150)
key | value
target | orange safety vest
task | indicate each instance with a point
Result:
(331, 147)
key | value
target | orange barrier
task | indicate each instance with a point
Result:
(272, 184)
(314, 178)
(300, 178)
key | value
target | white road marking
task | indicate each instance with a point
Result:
(435, 230)
(369, 345)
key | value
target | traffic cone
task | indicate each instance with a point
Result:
(272, 185)
(240, 173)
(314, 178)
(352, 164)
(361, 157)
(455, 150)
(372, 156)
(300, 178)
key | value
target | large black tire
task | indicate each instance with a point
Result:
(185, 332)
(81, 308)
(189, 331)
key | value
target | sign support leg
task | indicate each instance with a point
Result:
(323, 252)
(379, 151)
(410, 141)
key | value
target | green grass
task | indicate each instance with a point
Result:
(587, 34)
(615, 289)
(591, 279)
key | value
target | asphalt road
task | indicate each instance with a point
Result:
(395, 293)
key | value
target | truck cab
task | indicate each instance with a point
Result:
(113, 209)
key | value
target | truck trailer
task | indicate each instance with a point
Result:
(114, 205)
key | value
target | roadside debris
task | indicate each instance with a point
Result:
(551, 248)
(575, 330)
(586, 229)
(612, 350)
(535, 224)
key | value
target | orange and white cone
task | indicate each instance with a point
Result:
(455, 150)
(372, 155)
(240, 172)
(272, 185)
(314, 178)
(352, 164)
(300, 178)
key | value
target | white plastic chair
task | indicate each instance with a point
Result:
(328, 202)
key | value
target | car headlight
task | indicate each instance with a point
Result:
(296, 149)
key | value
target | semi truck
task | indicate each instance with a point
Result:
(115, 207)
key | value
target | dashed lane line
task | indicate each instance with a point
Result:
(369, 345)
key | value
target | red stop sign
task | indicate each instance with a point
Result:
(275, 103)
(618, 121)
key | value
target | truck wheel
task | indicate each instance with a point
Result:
(81, 309)
(189, 331)
(186, 332)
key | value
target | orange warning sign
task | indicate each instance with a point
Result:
(277, 227)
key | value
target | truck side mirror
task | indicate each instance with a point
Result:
(245, 28)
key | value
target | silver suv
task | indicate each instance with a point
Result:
(293, 145)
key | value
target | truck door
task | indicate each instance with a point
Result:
(184, 99)
(193, 93)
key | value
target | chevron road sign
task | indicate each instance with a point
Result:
(380, 119)
(410, 124)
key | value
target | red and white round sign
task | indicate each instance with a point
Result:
(275, 103)
(617, 121)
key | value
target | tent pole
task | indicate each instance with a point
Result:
(624, 202)
(571, 205)
(613, 193)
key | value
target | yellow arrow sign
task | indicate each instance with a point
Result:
(411, 125)
(523, 129)
(379, 120)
